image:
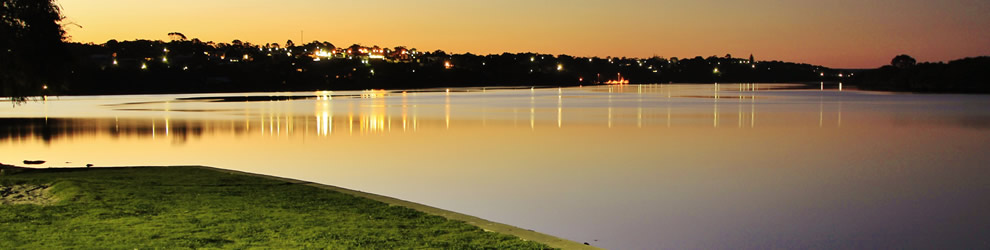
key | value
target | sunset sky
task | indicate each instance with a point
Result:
(839, 33)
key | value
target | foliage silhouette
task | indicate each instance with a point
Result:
(903, 61)
(33, 60)
(967, 75)
(191, 66)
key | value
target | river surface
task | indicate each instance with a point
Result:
(666, 166)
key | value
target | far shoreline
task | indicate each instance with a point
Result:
(807, 84)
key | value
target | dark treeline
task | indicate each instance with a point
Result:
(32, 52)
(35, 60)
(968, 75)
(182, 66)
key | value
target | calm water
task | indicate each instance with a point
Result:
(622, 167)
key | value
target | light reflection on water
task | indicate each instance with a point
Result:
(624, 167)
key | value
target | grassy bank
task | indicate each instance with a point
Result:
(168, 207)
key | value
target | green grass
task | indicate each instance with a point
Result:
(190, 207)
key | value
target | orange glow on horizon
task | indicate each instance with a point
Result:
(834, 34)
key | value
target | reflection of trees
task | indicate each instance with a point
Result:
(273, 125)
(51, 129)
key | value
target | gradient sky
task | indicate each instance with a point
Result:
(840, 33)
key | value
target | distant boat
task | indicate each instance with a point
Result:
(620, 81)
(33, 162)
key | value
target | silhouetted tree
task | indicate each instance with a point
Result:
(967, 75)
(289, 44)
(33, 59)
(355, 49)
(176, 36)
(903, 61)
